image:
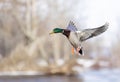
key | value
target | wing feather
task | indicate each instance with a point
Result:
(71, 26)
(89, 33)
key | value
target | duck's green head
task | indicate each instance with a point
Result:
(56, 30)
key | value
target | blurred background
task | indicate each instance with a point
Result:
(26, 48)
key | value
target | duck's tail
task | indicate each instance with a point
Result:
(81, 51)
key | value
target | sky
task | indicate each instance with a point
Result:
(90, 14)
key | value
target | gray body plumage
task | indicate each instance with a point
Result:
(74, 39)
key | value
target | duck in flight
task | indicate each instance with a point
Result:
(76, 37)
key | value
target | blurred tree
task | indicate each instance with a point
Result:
(24, 35)
(32, 40)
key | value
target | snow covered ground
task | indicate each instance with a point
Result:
(20, 73)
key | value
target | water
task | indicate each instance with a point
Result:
(104, 75)
(49, 78)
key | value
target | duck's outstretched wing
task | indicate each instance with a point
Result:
(89, 33)
(71, 26)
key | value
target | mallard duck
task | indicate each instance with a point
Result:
(76, 37)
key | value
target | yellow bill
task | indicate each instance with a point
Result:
(51, 33)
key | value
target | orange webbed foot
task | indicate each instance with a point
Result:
(72, 50)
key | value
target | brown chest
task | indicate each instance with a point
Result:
(66, 33)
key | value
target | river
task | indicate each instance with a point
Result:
(103, 75)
